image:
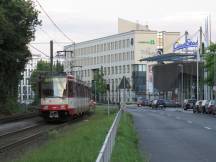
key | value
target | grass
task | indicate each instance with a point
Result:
(126, 146)
(80, 143)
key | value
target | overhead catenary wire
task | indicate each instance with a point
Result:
(38, 50)
(58, 28)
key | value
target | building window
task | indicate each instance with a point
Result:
(116, 69)
(124, 70)
(132, 55)
(112, 70)
(120, 57)
(108, 72)
(108, 46)
(124, 56)
(120, 69)
(128, 42)
(120, 45)
(124, 44)
(128, 55)
(115, 44)
(116, 57)
(132, 42)
(128, 68)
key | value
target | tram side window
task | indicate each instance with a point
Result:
(70, 89)
(78, 90)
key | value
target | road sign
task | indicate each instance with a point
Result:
(124, 84)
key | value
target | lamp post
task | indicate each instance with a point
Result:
(182, 83)
(95, 90)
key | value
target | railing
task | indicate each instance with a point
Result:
(106, 150)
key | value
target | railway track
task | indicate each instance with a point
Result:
(16, 138)
(26, 135)
(18, 117)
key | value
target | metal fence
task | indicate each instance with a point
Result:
(106, 150)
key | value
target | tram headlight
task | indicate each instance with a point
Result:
(62, 106)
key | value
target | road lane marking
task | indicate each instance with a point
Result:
(208, 128)
(190, 122)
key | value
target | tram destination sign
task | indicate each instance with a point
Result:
(188, 44)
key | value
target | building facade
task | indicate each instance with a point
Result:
(117, 56)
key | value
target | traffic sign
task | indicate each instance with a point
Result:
(124, 84)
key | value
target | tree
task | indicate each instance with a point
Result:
(42, 67)
(210, 63)
(18, 20)
(101, 86)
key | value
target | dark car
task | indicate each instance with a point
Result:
(211, 109)
(160, 103)
(189, 104)
(142, 102)
(171, 103)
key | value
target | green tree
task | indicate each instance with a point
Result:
(42, 67)
(18, 20)
(210, 62)
(101, 86)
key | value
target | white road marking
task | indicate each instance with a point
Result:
(208, 128)
(189, 121)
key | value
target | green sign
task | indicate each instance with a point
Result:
(152, 41)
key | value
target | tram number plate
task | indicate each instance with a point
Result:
(53, 114)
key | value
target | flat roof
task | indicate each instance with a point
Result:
(171, 57)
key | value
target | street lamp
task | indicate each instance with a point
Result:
(182, 83)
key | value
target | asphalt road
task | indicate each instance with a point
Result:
(175, 136)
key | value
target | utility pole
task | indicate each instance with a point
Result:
(51, 56)
(199, 52)
(186, 38)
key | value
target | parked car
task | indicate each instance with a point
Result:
(142, 102)
(160, 103)
(171, 103)
(204, 106)
(198, 107)
(189, 104)
(211, 109)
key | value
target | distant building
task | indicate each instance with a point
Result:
(25, 93)
(118, 55)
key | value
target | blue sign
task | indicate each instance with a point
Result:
(187, 44)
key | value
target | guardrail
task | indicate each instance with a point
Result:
(106, 150)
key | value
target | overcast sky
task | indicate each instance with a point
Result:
(88, 19)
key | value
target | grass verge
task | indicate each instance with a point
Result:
(126, 146)
(80, 143)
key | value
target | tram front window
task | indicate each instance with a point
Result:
(54, 87)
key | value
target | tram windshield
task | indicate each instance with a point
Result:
(54, 87)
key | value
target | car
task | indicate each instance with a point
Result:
(189, 104)
(197, 107)
(204, 106)
(142, 102)
(160, 103)
(211, 109)
(171, 103)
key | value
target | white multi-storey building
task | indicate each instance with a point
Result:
(118, 55)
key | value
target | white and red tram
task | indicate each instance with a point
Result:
(63, 96)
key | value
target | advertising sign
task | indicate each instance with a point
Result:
(188, 44)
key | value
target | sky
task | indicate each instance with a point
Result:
(83, 20)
